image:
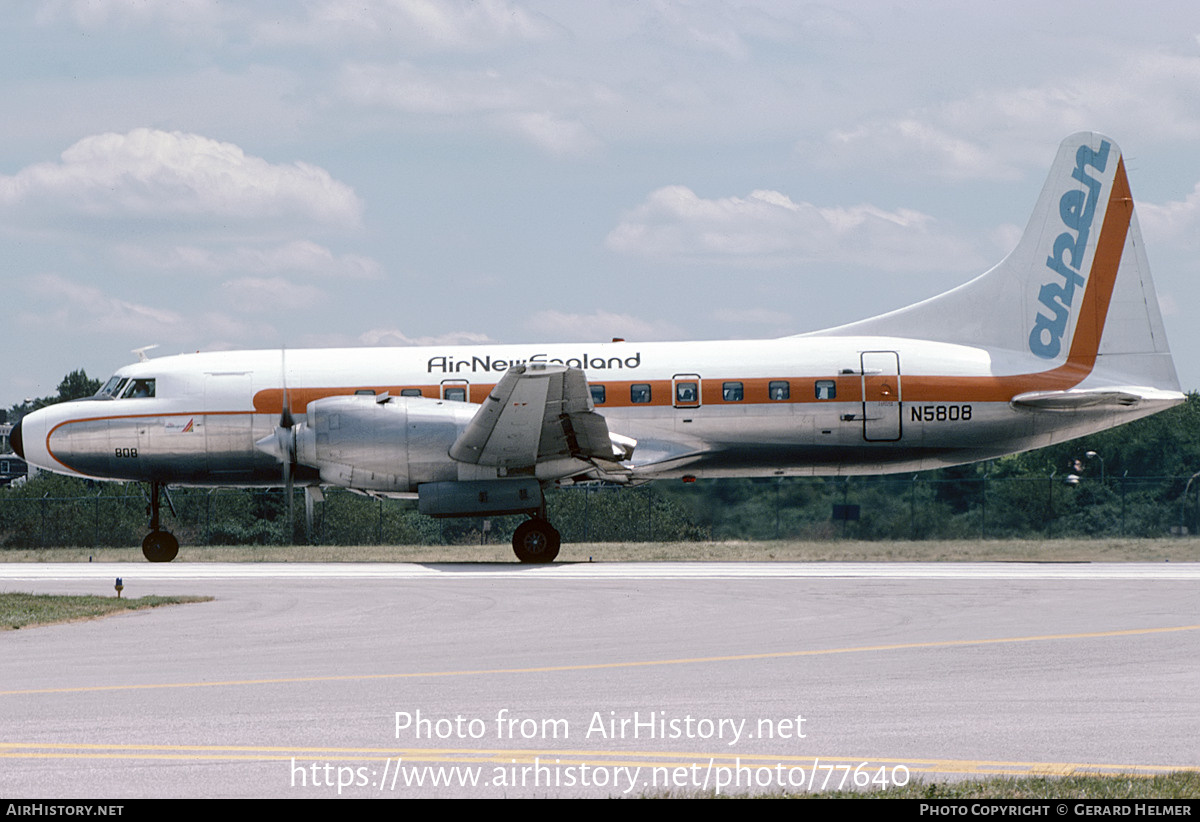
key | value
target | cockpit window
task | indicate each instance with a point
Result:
(109, 387)
(112, 388)
(138, 389)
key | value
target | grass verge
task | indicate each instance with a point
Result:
(18, 610)
(1178, 785)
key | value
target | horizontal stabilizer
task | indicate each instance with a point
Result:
(1078, 399)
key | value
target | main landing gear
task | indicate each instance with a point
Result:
(159, 545)
(536, 540)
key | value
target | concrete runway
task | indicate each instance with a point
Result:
(607, 679)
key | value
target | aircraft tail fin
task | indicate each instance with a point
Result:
(1076, 292)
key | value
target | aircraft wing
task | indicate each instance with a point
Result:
(536, 414)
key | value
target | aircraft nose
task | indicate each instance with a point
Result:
(14, 439)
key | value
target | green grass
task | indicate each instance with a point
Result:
(1179, 785)
(1185, 549)
(19, 610)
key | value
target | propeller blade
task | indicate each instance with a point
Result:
(287, 445)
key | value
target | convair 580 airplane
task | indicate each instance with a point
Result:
(1061, 339)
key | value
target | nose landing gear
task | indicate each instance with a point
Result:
(159, 545)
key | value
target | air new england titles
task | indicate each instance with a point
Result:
(488, 363)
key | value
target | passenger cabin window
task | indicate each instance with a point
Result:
(410, 392)
(138, 389)
(826, 390)
(364, 392)
(597, 394)
(686, 393)
(732, 392)
(456, 394)
(639, 393)
(779, 390)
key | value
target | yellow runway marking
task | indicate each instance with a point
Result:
(953, 643)
(524, 756)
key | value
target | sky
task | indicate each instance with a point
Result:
(200, 174)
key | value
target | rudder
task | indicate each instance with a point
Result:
(1076, 291)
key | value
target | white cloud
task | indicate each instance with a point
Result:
(87, 308)
(405, 87)
(753, 316)
(768, 227)
(179, 14)
(259, 103)
(735, 29)
(911, 143)
(600, 325)
(1005, 237)
(298, 257)
(415, 25)
(257, 295)
(556, 135)
(159, 176)
(70, 309)
(539, 110)
(394, 337)
(998, 132)
(224, 332)
(1175, 222)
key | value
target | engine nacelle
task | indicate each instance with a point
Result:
(370, 444)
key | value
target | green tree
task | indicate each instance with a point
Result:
(74, 386)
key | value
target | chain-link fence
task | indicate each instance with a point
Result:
(40, 514)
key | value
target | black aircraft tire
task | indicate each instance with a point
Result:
(536, 541)
(160, 546)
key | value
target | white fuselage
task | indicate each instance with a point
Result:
(785, 407)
